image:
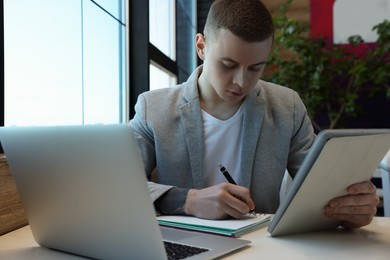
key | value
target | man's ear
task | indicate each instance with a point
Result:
(200, 44)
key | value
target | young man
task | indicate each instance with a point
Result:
(225, 114)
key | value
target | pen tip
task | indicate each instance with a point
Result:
(220, 164)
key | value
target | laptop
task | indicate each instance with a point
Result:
(85, 192)
(337, 159)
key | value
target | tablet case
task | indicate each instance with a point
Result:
(337, 159)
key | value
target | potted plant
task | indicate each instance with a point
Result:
(329, 78)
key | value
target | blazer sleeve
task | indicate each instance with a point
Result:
(302, 138)
(167, 199)
(145, 140)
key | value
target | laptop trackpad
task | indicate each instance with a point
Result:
(172, 234)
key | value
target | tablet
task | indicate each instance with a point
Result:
(337, 159)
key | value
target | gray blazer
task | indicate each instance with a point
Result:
(169, 132)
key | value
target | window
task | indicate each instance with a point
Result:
(64, 62)
(162, 24)
(160, 78)
(162, 35)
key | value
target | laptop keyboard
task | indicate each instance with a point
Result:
(179, 251)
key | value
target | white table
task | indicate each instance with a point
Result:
(370, 242)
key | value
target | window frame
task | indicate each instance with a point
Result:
(142, 52)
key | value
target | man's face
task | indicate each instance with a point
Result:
(231, 65)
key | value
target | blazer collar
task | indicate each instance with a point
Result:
(190, 90)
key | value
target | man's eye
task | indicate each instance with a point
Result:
(228, 66)
(255, 69)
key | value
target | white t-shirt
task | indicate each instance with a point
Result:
(222, 145)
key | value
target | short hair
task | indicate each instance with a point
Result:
(247, 19)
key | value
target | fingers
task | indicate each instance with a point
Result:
(352, 216)
(243, 195)
(234, 206)
(233, 200)
(219, 201)
(363, 187)
(351, 221)
(356, 209)
(354, 200)
(236, 210)
(355, 221)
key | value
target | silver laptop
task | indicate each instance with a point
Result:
(337, 159)
(85, 192)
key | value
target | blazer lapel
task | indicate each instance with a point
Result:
(253, 119)
(192, 123)
(191, 117)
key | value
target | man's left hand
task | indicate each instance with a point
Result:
(357, 208)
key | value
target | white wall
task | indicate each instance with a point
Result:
(352, 17)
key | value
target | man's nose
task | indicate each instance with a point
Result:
(240, 78)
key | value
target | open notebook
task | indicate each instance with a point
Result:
(227, 227)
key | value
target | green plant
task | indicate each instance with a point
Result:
(328, 77)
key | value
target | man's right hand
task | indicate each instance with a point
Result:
(219, 202)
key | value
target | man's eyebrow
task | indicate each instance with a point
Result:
(256, 64)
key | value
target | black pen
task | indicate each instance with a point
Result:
(231, 180)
